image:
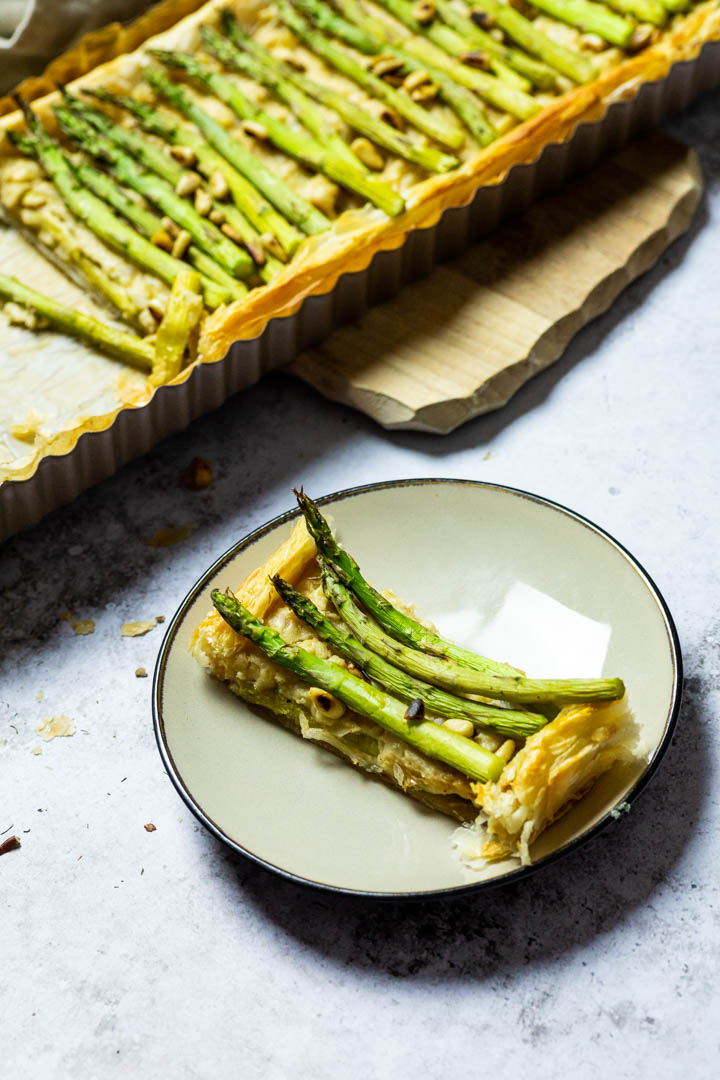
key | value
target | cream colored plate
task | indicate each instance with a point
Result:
(508, 573)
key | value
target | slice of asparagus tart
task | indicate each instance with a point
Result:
(356, 671)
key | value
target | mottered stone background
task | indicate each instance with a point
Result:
(125, 952)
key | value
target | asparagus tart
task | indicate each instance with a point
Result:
(249, 153)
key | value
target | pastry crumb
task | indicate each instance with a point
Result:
(150, 827)
(40, 695)
(198, 474)
(56, 727)
(83, 627)
(36, 750)
(168, 537)
(27, 429)
(160, 618)
(137, 629)
(140, 673)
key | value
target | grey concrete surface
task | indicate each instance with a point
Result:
(144, 954)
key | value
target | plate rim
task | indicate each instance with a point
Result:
(451, 891)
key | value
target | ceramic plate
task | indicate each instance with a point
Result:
(502, 571)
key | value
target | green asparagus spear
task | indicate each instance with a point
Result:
(66, 254)
(401, 626)
(521, 30)
(296, 144)
(94, 213)
(590, 17)
(272, 72)
(179, 323)
(206, 235)
(511, 722)
(133, 350)
(465, 105)
(293, 206)
(262, 217)
(434, 127)
(429, 738)
(301, 105)
(459, 678)
(149, 224)
(647, 11)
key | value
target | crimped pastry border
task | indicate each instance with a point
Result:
(358, 235)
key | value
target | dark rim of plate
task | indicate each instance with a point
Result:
(450, 891)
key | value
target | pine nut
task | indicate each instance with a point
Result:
(506, 751)
(642, 37)
(217, 216)
(476, 59)
(425, 93)
(460, 727)
(162, 240)
(184, 154)
(182, 243)
(415, 79)
(170, 227)
(368, 154)
(424, 11)
(218, 185)
(257, 131)
(187, 183)
(593, 43)
(203, 202)
(325, 703)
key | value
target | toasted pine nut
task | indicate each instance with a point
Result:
(415, 79)
(483, 19)
(389, 116)
(424, 11)
(368, 153)
(507, 750)
(32, 200)
(218, 185)
(185, 155)
(460, 727)
(251, 127)
(147, 321)
(593, 43)
(182, 243)
(170, 227)
(642, 37)
(428, 92)
(187, 183)
(217, 216)
(325, 703)
(476, 59)
(162, 240)
(272, 245)
(231, 233)
(203, 202)
(385, 65)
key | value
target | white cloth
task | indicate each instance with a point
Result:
(32, 32)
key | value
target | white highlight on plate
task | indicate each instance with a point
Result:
(535, 632)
